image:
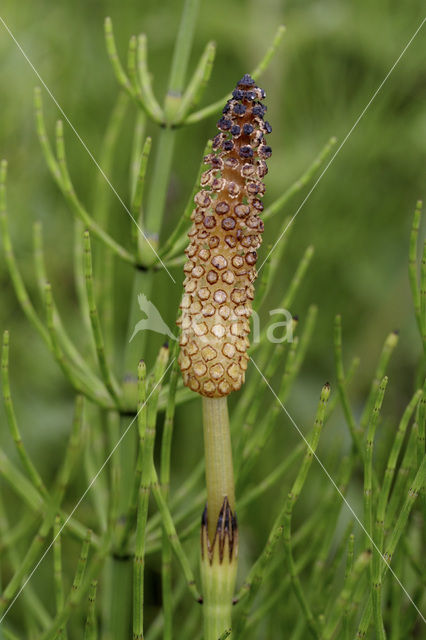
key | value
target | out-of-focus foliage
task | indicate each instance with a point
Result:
(333, 59)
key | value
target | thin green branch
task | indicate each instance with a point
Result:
(281, 528)
(392, 542)
(347, 410)
(76, 595)
(368, 461)
(27, 463)
(297, 186)
(140, 79)
(34, 611)
(120, 74)
(423, 295)
(413, 264)
(402, 481)
(391, 468)
(107, 155)
(105, 369)
(212, 109)
(375, 582)
(288, 510)
(63, 337)
(37, 546)
(69, 193)
(90, 629)
(57, 571)
(136, 206)
(76, 379)
(180, 58)
(32, 499)
(12, 266)
(198, 82)
(146, 444)
(343, 601)
(46, 148)
(348, 572)
(146, 94)
(175, 241)
(166, 446)
(388, 348)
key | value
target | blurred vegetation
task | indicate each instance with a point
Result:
(333, 58)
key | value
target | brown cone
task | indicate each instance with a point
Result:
(224, 238)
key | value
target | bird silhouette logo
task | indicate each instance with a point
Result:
(153, 320)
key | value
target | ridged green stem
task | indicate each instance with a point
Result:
(218, 454)
(218, 571)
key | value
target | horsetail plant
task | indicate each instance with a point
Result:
(216, 307)
(104, 544)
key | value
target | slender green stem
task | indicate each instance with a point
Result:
(12, 265)
(41, 275)
(281, 527)
(391, 468)
(180, 58)
(218, 456)
(343, 601)
(413, 264)
(321, 581)
(146, 94)
(94, 455)
(13, 424)
(33, 609)
(347, 410)
(90, 629)
(101, 193)
(396, 602)
(57, 571)
(219, 534)
(136, 206)
(76, 595)
(75, 204)
(348, 571)
(76, 378)
(36, 547)
(173, 538)
(388, 348)
(291, 501)
(214, 108)
(146, 426)
(368, 462)
(105, 369)
(198, 82)
(393, 540)
(375, 582)
(174, 243)
(114, 58)
(423, 296)
(166, 445)
(402, 481)
(297, 186)
(104, 265)
(158, 192)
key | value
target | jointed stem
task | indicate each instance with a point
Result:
(219, 470)
(219, 541)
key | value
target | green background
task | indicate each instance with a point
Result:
(333, 58)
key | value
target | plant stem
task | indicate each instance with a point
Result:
(218, 454)
(219, 535)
